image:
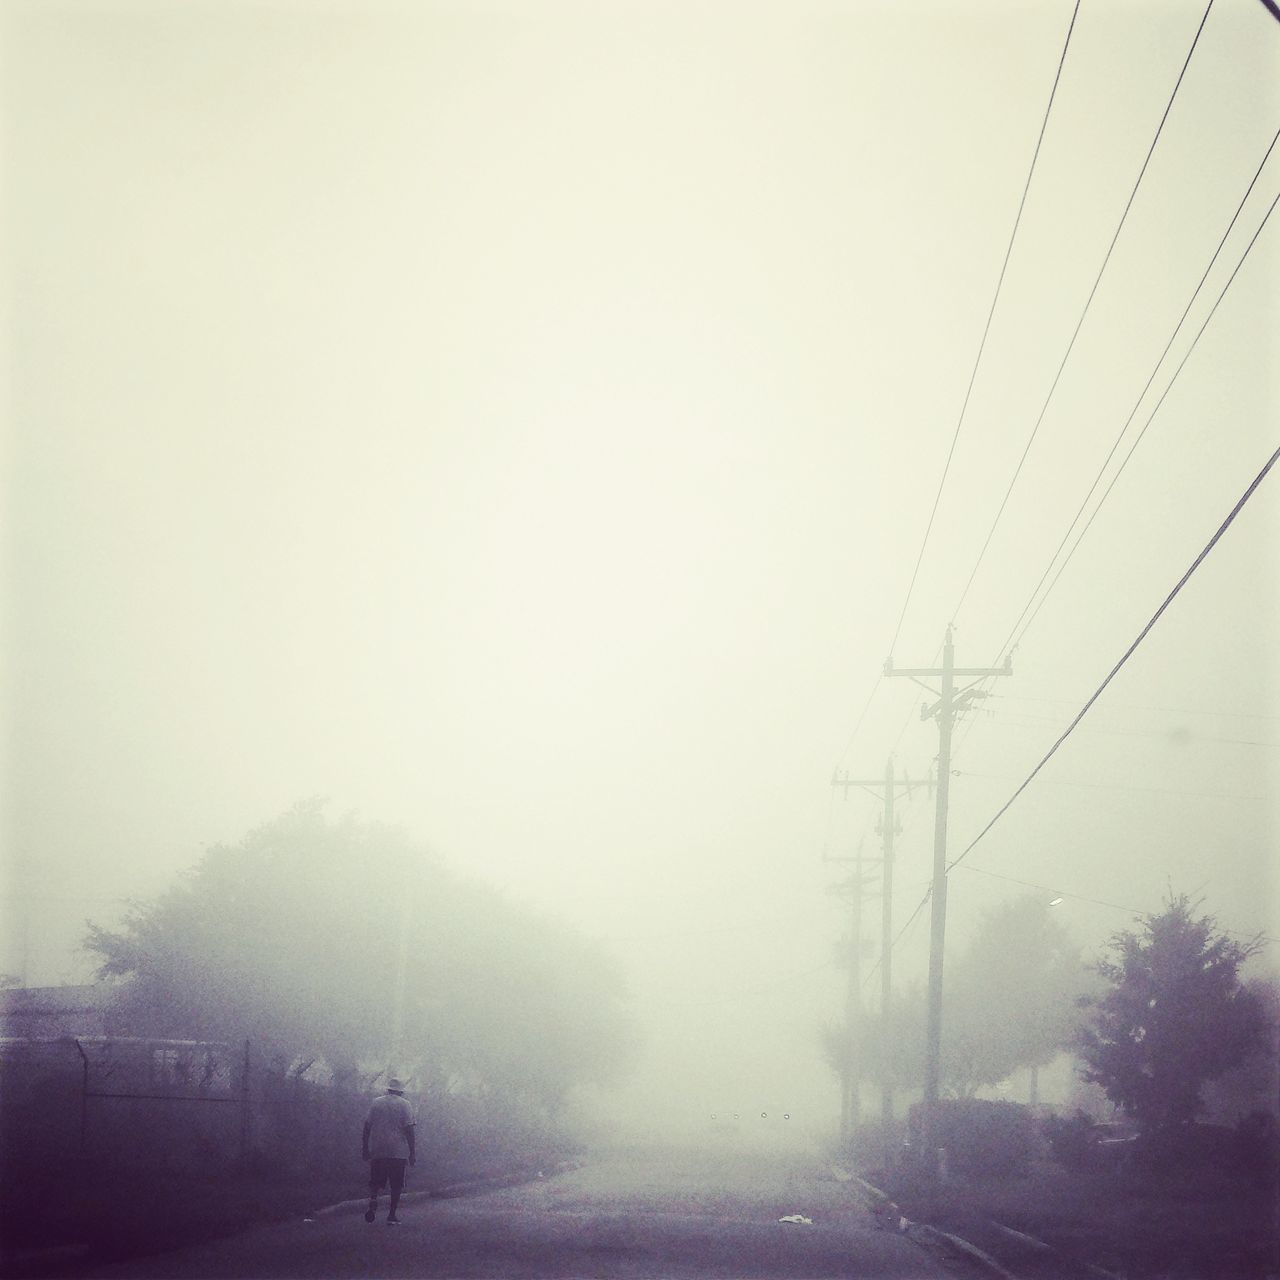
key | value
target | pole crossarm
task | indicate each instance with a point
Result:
(876, 786)
(978, 673)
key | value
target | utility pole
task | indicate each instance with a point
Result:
(946, 710)
(852, 1110)
(888, 828)
(851, 1068)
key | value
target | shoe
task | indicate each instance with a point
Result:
(393, 1222)
(368, 1216)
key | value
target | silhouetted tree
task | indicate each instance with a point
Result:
(294, 938)
(1175, 1016)
(1011, 1002)
(1013, 997)
(1252, 1085)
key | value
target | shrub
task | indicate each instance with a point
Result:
(984, 1138)
(1070, 1140)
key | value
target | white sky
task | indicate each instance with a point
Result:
(520, 421)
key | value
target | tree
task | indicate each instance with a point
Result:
(294, 937)
(1174, 1018)
(1013, 997)
(1252, 1085)
(1011, 1001)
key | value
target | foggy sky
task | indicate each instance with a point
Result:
(519, 422)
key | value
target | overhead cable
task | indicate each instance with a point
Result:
(1010, 644)
(928, 893)
(1138, 439)
(897, 631)
(1128, 653)
(1026, 449)
(1118, 786)
(1061, 893)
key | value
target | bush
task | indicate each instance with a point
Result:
(996, 1139)
(1076, 1142)
(1068, 1139)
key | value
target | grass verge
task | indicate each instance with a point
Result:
(1172, 1224)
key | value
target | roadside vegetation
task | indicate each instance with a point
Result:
(288, 976)
(1181, 1179)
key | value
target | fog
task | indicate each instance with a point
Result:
(519, 424)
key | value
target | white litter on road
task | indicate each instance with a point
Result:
(798, 1218)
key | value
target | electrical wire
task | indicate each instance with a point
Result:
(1080, 897)
(1010, 644)
(1138, 440)
(862, 715)
(1128, 653)
(1143, 706)
(1033, 723)
(897, 631)
(1017, 471)
(1061, 893)
(1031, 599)
(1117, 786)
(928, 893)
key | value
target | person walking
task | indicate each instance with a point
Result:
(387, 1144)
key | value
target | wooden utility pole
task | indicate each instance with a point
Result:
(852, 1110)
(948, 707)
(851, 1066)
(888, 828)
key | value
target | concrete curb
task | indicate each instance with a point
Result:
(1041, 1247)
(888, 1214)
(947, 1243)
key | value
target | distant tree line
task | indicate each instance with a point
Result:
(1012, 1002)
(296, 938)
(1159, 1021)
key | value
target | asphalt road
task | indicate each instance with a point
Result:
(629, 1213)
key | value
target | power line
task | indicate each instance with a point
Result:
(1010, 645)
(1025, 721)
(1017, 471)
(1120, 786)
(1138, 439)
(1141, 706)
(1076, 897)
(1137, 403)
(1128, 653)
(911, 919)
(1017, 222)
(1061, 893)
(862, 715)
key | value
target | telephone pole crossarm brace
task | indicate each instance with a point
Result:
(946, 710)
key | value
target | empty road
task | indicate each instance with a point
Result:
(650, 1212)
